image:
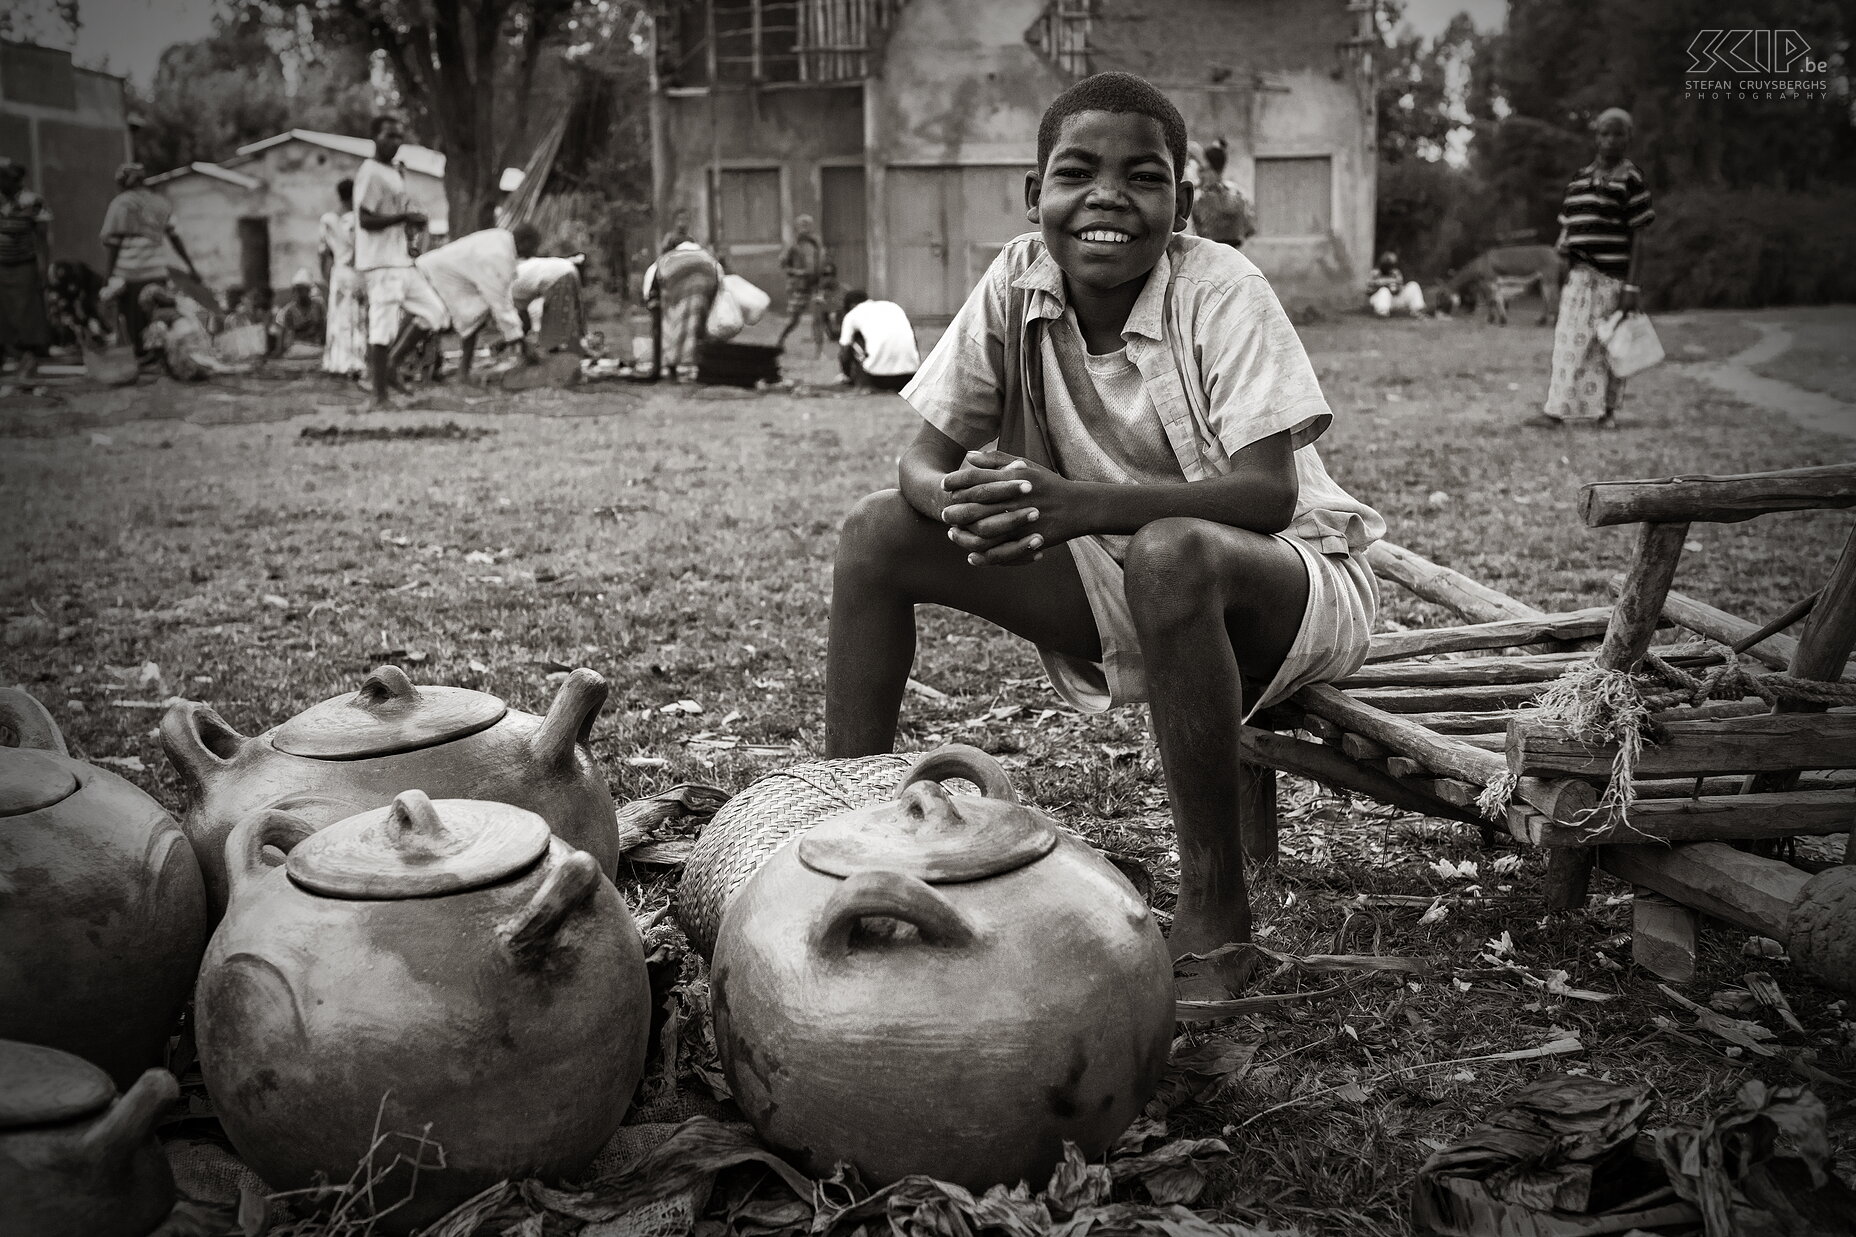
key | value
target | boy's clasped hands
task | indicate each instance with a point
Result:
(1005, 511)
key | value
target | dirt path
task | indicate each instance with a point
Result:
(1737, 377)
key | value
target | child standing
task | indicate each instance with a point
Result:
(1152, 514)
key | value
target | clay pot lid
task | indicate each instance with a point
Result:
(930, 834)
(40, 1085)
(386, 716)
(417, 847)
(32, 780)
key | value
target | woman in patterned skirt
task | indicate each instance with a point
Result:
(344, 350)
(1605, 207)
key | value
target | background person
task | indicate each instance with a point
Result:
(475, 277)
(682, 284)
(344, 349)
(1605, 207)
(386, 217)
(555, 282)
(1387, 289)
(806, 266)
(303, 319)
(1220, 211)
(138, 233)
(25, 252)
(876, 343)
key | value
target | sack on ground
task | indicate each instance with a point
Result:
(748, 298)
(1631, 345)
(724, 320)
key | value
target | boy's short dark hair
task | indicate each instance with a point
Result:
(854, 298)
(1113, 92)
(380, 122)
(344, 188)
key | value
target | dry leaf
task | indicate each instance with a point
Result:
(1075, 1183)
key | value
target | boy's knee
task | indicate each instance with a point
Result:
(1170, 571)
(879, 528)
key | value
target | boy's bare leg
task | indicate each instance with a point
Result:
(891, 558)
(1210, 603)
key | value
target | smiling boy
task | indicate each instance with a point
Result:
(1151, 514)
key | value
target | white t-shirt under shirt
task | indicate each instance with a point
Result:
(888, 339)
(382, 190)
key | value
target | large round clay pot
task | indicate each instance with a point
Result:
(446, 964)
(355, 752)
(76, 1161)
(102, 910)
(945, 984)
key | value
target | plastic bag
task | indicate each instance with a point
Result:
(724, 320)
(749, 299)
(1631, 345)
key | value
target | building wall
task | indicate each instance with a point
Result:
(794, 130)
(68, 127)
(299, 187)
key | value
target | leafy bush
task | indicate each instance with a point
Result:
(1750, 247)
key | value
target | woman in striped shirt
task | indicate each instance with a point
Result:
(1606, 205)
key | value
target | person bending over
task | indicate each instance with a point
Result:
(475, 277)
(1150, 513)
(876, 343)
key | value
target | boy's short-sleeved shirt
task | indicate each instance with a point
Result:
(1601, 210)
(1221, 368)
(888, 338)
(382, 190)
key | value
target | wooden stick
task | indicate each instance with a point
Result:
(1824, 647)
(1451, 589)
(1257, 822)
(1358, 747)
(1324, 764)
(1716, 879)
(1775, 651)
(1711, 818)
(1568, 878)
(1797, 610)
(1720, 500)
(1439, 754)
(1640, 605)
(1772, 741)
(1471, 723)
(1436, 699)
(1570, 625)
(1662, 936)
(1538, 668)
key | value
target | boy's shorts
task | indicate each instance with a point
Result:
(1337, 625)
(391, 289)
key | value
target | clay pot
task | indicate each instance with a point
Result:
(101, 904)
(446, 964)
(76, 1161)
(941, 984)
(357, 751)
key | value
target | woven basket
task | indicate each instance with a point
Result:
(763, 818)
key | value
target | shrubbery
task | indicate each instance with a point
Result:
(1743, 248)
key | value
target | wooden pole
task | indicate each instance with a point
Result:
(1717, 499)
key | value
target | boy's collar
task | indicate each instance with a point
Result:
(1044, 275)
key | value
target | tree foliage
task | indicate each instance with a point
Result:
(213, 95)
(52, 23)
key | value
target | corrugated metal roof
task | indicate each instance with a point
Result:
(209, 169)
(419, 159)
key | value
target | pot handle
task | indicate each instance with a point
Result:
(896, 895)
(961, 760)
(199, 742)
(526, 935)
(570, 718)
(132, 1118)
(245, 844)
(28, 723)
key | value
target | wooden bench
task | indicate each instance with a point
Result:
(1431, 735)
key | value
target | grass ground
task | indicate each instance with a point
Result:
(679, 541)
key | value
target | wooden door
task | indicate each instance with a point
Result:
(843, 221)
(916, 209)
(992, 203)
